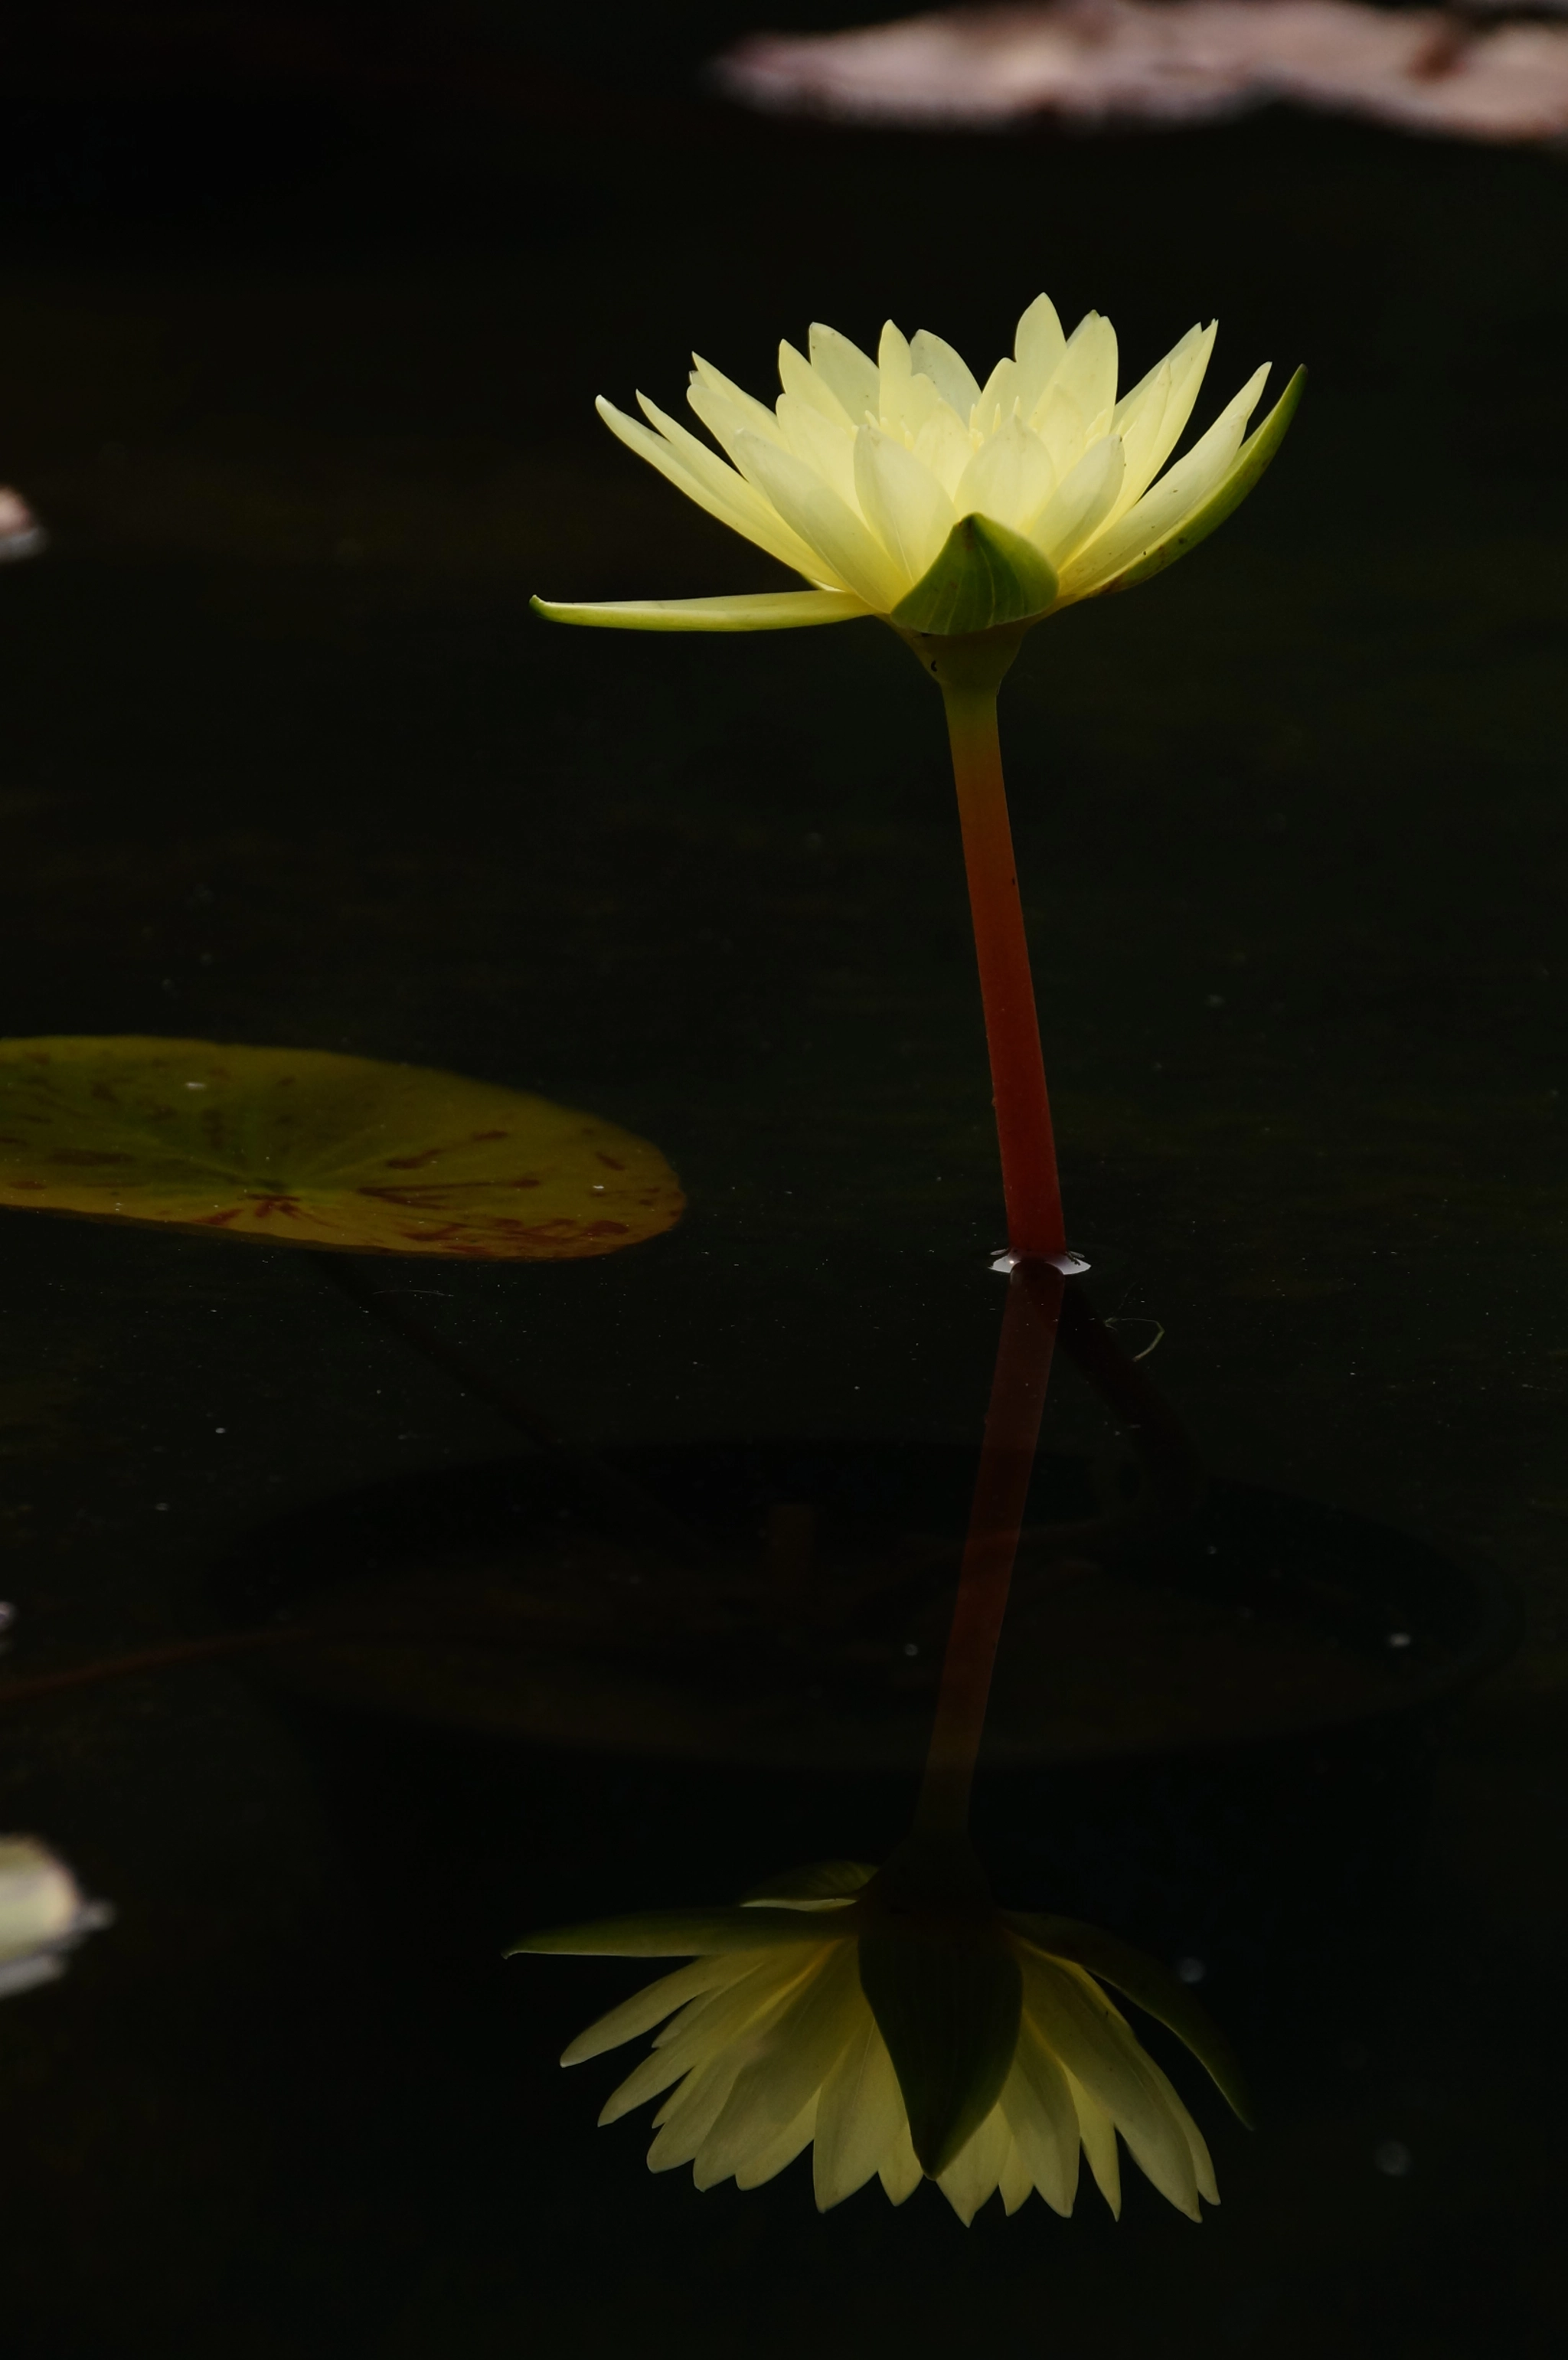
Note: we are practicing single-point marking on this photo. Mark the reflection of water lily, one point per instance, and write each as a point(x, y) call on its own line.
point(865, 470)
point(902, 2026)
point(43, 1913)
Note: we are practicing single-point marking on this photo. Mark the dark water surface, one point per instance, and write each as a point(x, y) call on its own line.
point(289, 761)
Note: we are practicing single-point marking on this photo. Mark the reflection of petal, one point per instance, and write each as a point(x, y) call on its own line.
point(1040, 2113)
point(970, 2179)
point(803, 2046)
point(861, 2127)
point(766, 2051)
point(1079, 2024)
point(1098, 2135)
point(655, 2002)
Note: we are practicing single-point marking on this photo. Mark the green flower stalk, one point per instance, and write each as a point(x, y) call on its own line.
point(960, 515)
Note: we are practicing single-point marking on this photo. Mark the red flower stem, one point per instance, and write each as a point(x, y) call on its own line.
point(1001, 1492)
point(1029, 1184)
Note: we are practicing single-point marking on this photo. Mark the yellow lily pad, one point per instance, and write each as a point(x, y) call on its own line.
point(301, 1147)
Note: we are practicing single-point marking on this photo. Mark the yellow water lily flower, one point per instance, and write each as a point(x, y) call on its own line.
point(960, 515)
point(901, 2030)
point(903, 487)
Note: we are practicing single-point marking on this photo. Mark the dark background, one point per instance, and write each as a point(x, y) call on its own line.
point(304, 316)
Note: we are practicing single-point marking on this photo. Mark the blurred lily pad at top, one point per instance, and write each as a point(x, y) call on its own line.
point(303, 1147)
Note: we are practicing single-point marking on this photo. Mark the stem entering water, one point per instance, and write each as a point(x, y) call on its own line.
point(1029, 1184)
point(1001, 1490)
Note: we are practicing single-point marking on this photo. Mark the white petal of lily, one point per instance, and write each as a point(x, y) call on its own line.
point(1062, 426)
point(1008, 479)
point(902, 502)
point(861, 2124)
point(698, 472)
point(1156, 439)
point(998, 398)
point(828, 449)
point(804, 384)
point(931, 355)
point(811, 509)
point(906, 397)
point(747, 610)
point(1038, 344)
point(1162, 510)
point(851, 374)
point(1080, 504)
point(726, 423)
point(1037, 2103)
point(1087, 369)
point(971, 2179)
point(1138, 420)
point(752, 414)
point(944, 445)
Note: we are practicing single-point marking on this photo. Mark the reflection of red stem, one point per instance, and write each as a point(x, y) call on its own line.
point(1001, 1490)
point(1012, 1028)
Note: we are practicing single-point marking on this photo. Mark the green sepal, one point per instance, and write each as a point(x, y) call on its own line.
point(825, 1880)
point(745, 610)
point(1228, 494)
point(949, 2011)
point(983, 578)
point(1148, 1985)
point(678, 1934)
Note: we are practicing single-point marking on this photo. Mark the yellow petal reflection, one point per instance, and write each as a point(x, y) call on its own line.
point(771, 2046)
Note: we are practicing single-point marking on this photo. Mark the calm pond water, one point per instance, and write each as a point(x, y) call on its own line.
point(300, 376)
